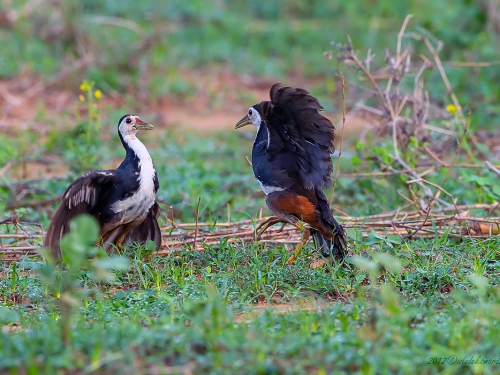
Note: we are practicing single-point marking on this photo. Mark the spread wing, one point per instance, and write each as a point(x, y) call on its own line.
point(148, 230)
point(81, 197)
point(299, 135)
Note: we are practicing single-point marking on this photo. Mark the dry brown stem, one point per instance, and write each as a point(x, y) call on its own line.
point(492, 168)
point(198, 235)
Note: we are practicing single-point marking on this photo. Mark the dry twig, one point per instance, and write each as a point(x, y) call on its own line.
point(200, 234)
point(429, 206)
point(492, 168)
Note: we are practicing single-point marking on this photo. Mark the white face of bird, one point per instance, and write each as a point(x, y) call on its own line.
point(252, 118)
point(130, 125)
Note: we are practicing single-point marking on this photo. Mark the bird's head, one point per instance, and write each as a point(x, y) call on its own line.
point(130, 125)
point(253, 117)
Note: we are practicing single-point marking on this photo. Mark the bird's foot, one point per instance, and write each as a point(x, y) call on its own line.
point(100, 241)
point(266, 224)
point(291, 259)
point(120, 246)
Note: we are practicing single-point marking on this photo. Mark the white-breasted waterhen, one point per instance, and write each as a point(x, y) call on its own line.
point(291, 160)
point(122, 200)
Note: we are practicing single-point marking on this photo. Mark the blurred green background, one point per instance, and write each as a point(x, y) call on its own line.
point(146, 43)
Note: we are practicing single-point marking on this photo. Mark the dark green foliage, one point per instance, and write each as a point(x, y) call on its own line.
point(392, 312)
point(150, 40)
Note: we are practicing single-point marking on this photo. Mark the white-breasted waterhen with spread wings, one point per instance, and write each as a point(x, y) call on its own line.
point(291, 160)
point(122, 200)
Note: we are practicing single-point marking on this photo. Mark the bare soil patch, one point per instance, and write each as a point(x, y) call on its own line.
point(218, 99)
point(282, 308)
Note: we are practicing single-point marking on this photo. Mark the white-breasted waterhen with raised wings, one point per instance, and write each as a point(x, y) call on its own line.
point(122, 200)
point(291, 160)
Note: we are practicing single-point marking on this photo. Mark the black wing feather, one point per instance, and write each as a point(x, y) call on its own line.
point(337, 246)
point(81, 197)
point(300, 134)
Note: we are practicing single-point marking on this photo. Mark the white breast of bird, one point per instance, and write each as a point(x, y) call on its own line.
point(138, 204)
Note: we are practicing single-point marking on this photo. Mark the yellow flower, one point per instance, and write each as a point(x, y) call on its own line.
point(98, 94)
point(452, 109)
point(82, 98)
point(84, 86)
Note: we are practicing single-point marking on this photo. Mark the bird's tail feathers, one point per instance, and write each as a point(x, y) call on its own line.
point(336, 246)
point(148, 230)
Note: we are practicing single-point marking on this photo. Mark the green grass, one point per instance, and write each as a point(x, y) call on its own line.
point(145, 44)
point(423, 299)
point(392, 307)
point(214, 168)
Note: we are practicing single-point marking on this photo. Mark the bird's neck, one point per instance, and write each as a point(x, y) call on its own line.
point(262, 136)
point(136, 151)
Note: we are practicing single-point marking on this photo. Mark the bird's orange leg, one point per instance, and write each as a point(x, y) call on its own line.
point(102, 237)
point(306, 234)
point(119, 239)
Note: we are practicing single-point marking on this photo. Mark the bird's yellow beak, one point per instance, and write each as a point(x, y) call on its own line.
point(244, 121)
point(141, 125)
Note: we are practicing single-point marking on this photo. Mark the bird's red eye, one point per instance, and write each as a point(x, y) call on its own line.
point(128, 121)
